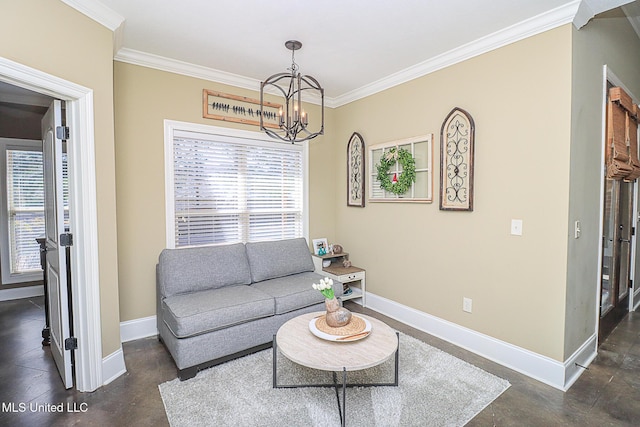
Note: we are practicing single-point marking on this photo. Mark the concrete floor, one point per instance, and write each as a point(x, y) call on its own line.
point(607, 394)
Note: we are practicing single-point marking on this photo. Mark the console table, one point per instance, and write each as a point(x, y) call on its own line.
point(354, 277)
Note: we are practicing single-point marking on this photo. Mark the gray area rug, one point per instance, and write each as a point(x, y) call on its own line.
point(435, 389)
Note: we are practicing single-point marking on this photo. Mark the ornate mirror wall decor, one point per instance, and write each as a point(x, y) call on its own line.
point(355, 171)
point(456, 161)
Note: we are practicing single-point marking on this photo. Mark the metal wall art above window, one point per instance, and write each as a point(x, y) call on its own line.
point(239, 109)
point(355, 171)
point(456, 161)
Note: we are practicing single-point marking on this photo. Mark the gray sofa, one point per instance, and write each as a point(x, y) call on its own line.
point(217, 303)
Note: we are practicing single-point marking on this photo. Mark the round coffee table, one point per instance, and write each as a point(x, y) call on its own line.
point(296, 342)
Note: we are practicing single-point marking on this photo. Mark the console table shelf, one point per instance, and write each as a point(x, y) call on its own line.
point(352, 276)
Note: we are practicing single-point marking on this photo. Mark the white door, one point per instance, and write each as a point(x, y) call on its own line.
point(56, 265)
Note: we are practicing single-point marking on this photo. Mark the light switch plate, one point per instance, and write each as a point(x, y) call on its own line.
point(467, 304)
point(516, 227)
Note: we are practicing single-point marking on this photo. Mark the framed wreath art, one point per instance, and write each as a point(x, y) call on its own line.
point(402, 171)
point(397, 185)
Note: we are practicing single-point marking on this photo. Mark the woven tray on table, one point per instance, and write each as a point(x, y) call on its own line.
point(355, 326)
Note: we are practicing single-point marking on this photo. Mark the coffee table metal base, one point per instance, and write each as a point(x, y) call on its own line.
point(341, 405)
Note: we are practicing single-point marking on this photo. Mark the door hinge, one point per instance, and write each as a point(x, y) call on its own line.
point(71, 343)
point(633, 231)
point(630, 283)
point(66, 239)
point(62, 132)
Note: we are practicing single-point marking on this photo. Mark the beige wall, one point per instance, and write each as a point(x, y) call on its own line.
point(54, 38)
point(520, 98)
point(608, 39)
point(427, 259)
point(144, 98)
point(414, 254)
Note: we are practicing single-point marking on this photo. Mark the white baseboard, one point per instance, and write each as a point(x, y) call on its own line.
point(636, 298)
point(113, 366)
point(542, 368)
point(575, 365)
point(19, 293)
point(138, 328)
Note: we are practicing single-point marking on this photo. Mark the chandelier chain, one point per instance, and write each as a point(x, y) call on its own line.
point(294, 67)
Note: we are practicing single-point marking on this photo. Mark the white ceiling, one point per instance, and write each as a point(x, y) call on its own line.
point(352, 47)
point(346, 44)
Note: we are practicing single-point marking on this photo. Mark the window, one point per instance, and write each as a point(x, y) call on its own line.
point(22, 212)
point(226, 186)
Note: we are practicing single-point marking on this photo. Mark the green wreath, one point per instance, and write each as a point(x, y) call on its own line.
point(406, 178)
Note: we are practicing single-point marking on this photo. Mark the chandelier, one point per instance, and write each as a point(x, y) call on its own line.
point(292, 120)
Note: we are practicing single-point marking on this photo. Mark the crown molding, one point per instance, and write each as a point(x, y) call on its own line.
point(583, 14)
point(144, 59)
point(162, 63)
point(590, 8)
point(632, 10)
point(527, 28)
point(98, 12)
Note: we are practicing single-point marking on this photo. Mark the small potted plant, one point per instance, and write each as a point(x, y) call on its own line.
point(337, 315)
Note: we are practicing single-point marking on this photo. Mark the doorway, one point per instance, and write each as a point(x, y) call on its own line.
point(617, 250)
point(33, 196)
point(83, 213)
point(622, 169)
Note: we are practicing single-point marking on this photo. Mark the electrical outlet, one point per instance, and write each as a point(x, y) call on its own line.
point(467, 304)
point(516, 227)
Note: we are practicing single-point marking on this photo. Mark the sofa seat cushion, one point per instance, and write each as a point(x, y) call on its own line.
point(295, 291)
point(205, 311)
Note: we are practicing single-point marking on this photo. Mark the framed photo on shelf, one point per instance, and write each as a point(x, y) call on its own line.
point(320, 246)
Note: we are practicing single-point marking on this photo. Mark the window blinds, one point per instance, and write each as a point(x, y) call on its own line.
point(231, 190)
point(622, 136)
point(25, 205)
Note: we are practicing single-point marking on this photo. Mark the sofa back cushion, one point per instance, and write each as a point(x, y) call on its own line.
point(195, 269)
point(279, 258)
